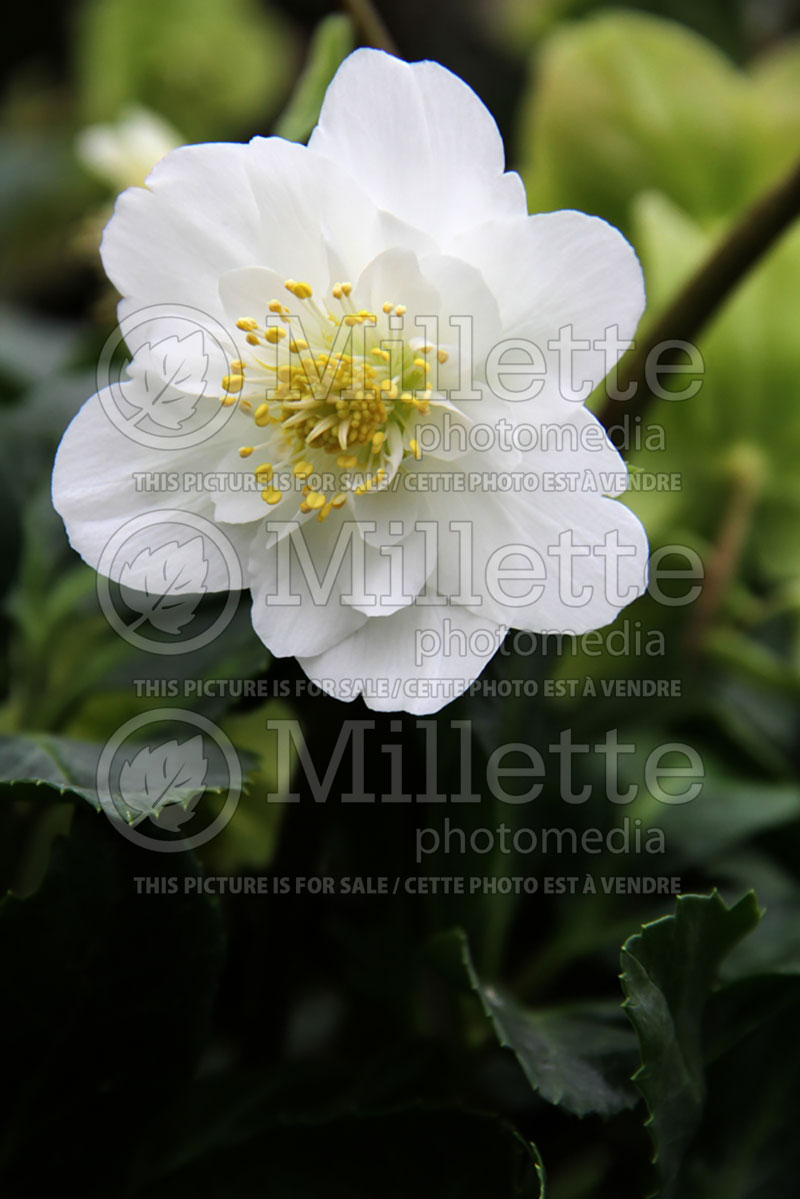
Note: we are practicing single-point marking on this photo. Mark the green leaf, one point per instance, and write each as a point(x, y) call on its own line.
point(332, 41)
point(727, 812)
point(208, 66)
point(703, 134)
point(249, 841)
point(669, 970)
point(742, 426)
point(578, 1056)
point(69, 766)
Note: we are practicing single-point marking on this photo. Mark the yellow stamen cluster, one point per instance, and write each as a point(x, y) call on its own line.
point(324, 399)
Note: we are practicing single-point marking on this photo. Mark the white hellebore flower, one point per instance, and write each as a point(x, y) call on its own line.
point(123, 153)
point(396, 416)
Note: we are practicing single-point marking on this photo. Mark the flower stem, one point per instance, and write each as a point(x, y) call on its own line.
point(745, 486)
point(371, 25)
point(705, 292)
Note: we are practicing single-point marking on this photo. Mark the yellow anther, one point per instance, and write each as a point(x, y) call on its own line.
point(400, 310)
point(413, 445)
point(388, 307)
point(302, 469)
point(233, 383)
point(442, 355)
point(339, 499)
point(252, 339)
point(247, 324)
point(246, 450)
point(271, 495)
point(315, 500)
point(378, 353)
point(298, 345)
point(261, 415)
point(422, 364)
point(238, 366)
point(337, 291)
point(346, 461)
point(274, 334)
point(346, 288)
point(228, 401)
point(377, 441)
point(246, 405)
point(302, 291)
point(426, 349)
point(264, 472)
point(276, 306)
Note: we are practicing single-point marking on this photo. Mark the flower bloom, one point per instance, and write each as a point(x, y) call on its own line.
point(123, 153)
point(392, 358)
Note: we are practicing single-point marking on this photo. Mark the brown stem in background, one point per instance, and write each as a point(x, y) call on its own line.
point(370, 25)
point(721, 567)
point(708, 288)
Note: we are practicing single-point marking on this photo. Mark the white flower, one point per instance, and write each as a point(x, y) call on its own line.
point(381, 544)
point(123, 153)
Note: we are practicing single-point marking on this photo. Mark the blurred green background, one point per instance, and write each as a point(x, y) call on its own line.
point(293, 1046)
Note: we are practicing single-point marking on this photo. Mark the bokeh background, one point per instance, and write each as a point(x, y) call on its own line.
point(292, 1045)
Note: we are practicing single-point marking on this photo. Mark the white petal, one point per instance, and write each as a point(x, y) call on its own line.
point(95, 488)
point(214, 208)
point(287, 614)
point(197, 217)
point(395, 573)
point(419, 141)
point(395, 276)
point(415, 661)
point(561, 270)
point(585, 556)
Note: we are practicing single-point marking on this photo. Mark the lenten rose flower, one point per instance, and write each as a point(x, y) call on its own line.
point(411, 467)
point(122, 153)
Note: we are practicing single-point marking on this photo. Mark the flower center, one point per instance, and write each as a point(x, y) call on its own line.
point(336, 382)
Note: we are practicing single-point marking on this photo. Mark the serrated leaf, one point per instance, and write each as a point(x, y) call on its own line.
point(171, 379)
point(170, 773)
point(578, 1056)
point(70, 766)
point(669, 970)
point(166, 584)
